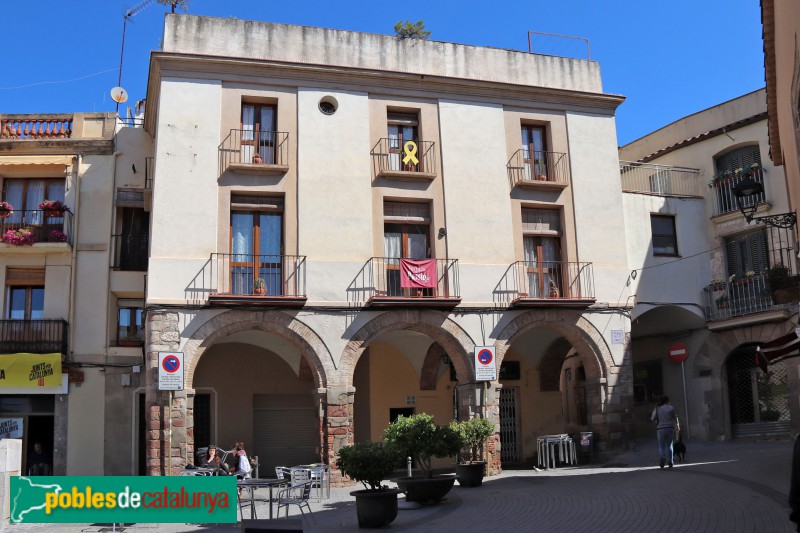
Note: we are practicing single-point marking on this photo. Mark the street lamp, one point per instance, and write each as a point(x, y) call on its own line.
point(748, 189)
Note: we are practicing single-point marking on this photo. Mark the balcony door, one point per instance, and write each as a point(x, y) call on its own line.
point(24, 330)
point(134, 239)
point(258, 133)
point(25, 195)
point(543, 266)
point(402, 127)
point(404, 241)
point(533, 152)
point(256, 252)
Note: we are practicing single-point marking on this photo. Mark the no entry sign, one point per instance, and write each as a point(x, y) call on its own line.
point(678, 352)
point(170, 371)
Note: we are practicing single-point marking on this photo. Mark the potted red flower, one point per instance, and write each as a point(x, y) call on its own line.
point(53, 208)
point(6, 210)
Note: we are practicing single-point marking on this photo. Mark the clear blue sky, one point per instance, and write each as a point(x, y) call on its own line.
point(670, 59)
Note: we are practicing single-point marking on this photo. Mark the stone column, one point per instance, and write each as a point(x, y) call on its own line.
point(163, 335)
point(339, 416)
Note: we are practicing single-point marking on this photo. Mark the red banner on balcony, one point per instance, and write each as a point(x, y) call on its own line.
point(419, 274)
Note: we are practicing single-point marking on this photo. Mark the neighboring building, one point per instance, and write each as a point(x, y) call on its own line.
point(287, 206)
point(706, 278)
point(64, 293)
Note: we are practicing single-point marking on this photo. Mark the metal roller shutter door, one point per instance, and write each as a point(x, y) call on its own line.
point(285, 436)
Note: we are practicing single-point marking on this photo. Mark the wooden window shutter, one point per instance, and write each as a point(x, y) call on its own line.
point(541, 221)
point(24, 276)
point(406, 212)
point(241, 202)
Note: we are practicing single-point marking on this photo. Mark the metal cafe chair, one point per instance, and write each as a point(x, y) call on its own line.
point(298, 494)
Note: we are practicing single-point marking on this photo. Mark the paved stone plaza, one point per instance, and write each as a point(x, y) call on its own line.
point(723, 486)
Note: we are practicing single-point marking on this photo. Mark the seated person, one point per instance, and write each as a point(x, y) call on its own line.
point(39, 461)
point(213, 461)
point(241, 463)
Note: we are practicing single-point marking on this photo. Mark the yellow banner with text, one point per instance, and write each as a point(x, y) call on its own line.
point(30, 370)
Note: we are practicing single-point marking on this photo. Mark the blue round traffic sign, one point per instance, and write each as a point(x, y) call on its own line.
point(485, 356)
point(171, 364)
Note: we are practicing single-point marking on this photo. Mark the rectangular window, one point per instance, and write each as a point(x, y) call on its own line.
point(25, 294)
point(26, 194)
point(130, 322)
point(402, 127)
point(747, 253)
point(541, 241)
point(134, 239)
point(665, 240)
point(259, 123)
point(256, 264)
point(534, 152)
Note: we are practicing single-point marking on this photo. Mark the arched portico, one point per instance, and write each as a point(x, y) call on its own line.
point(165, 454)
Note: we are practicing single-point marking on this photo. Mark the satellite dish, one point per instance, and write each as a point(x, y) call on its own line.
point(119, 95)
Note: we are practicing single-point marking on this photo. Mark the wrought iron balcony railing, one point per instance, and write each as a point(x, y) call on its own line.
point(743, 296)
point(724, 201)
point(662, 180)
point(547, 283)
point(33, 336)
point(35, 127)
point(544, 168)
point(35, 225)
point(394, 158)
point(427, 282)
point(130, 252)
point(273, 277)
point(257, 151)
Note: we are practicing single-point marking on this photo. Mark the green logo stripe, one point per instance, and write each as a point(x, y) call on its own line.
point(77, 499)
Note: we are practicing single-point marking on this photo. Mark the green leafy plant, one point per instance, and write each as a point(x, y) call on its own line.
point(419, 437)
point(410, 30)
point(369, 463)
point(259, 283)
point(474, 434)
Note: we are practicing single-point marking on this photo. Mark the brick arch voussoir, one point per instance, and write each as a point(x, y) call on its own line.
point(435, 324)
point(311, 346)
point(589, 343)
point(725, 342)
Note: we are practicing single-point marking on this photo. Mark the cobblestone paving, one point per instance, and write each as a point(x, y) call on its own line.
point(723, 487)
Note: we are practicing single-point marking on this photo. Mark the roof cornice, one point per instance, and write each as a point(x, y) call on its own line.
point(770, 76)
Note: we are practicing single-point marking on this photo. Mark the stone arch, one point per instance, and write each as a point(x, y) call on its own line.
point(590, 344)
point(712, 356)
point(312, 348)
point(430, 368)
point(435, 324)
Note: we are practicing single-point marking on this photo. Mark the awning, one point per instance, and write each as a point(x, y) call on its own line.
point(36, 160)
point(781, 348)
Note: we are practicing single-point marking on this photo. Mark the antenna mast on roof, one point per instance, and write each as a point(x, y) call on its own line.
point(118, 93)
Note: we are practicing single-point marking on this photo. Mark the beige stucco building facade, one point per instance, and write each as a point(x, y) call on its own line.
point(287, 206)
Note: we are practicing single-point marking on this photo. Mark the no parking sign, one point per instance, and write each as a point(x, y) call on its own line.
point(485, 364)
point(170, 371)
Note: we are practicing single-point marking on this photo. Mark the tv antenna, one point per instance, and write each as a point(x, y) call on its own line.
point(118, 94)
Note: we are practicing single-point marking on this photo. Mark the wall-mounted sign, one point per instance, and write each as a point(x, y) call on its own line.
point(170, 370)
point(617, 336)
point(485, 364)
point(10, 428)
point(30, 370)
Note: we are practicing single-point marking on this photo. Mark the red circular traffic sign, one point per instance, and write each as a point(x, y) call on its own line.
point(485, 356)
point(678, 352)
point(171, 364)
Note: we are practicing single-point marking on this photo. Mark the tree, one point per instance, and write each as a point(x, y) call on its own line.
point(183, 5)
point(410, 30)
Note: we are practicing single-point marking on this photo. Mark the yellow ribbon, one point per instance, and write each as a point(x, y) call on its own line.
point(410, 148)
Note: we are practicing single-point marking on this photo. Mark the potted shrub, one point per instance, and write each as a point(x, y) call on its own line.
point(474, 434)
point(259, 286)
point(53, 208)
point(370, 463)
point(6, 210)
point(421, 439)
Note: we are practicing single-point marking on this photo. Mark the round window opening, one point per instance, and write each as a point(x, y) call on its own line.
point(328, 105)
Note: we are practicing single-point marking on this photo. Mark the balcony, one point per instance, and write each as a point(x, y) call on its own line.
point(274, 280)
point(130, 252)
point(660, 180)
point(724, 201)
point(264, 153)
point(436, 283)
point(36, 127)
point(547, 284)
point(413, 163)
point(547, 170)
point(22, 228)
point(746, 296)
point(33, 336)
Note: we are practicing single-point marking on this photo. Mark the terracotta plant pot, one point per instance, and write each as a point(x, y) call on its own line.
point(257, 160)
